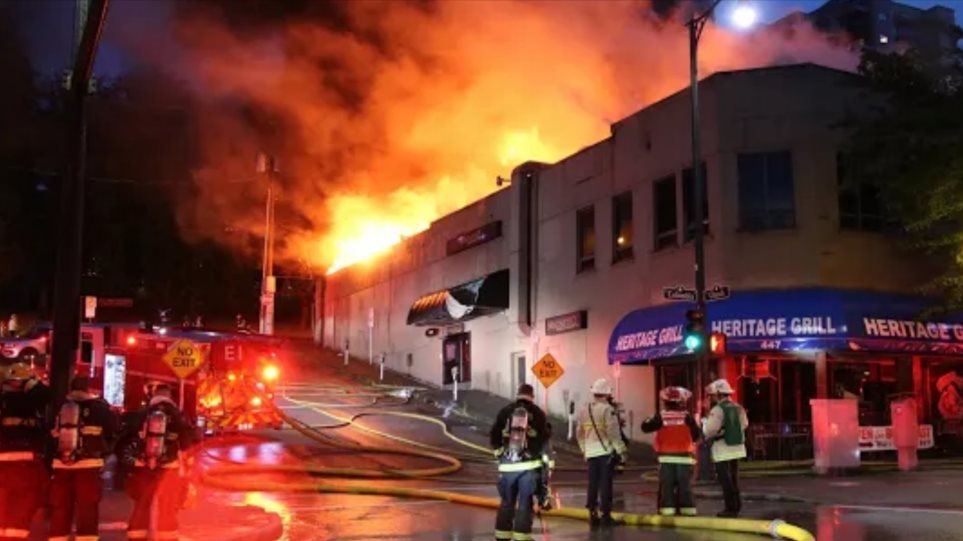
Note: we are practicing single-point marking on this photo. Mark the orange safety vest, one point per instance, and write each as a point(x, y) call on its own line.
point(674, 438)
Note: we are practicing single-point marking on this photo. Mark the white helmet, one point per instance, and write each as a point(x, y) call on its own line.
point(720, 386)
point(601, 387)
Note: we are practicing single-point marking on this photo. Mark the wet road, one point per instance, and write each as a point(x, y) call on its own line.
point(311, 516)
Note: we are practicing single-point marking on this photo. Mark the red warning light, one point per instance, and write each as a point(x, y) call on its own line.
point(717, 343)
point(131, 340)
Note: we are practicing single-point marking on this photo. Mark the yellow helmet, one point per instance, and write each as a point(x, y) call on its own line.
point(18, 372)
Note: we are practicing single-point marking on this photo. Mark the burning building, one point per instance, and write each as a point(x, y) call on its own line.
point(572, 258)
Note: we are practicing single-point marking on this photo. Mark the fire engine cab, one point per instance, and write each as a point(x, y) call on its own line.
point(224, 381)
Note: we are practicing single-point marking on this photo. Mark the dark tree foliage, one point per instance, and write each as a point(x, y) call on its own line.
point(911, 148)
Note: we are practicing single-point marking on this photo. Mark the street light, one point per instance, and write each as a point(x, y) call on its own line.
point(743, 16)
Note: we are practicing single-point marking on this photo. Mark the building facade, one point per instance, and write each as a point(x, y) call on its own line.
point(886, 25)
point(571, 259)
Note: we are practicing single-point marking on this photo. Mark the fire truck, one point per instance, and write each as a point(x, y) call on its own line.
point(224, 381)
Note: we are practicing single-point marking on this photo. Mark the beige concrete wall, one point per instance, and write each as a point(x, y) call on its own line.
point(793, 108)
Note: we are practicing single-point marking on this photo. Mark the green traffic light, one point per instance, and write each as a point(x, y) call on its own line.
point(693, 342)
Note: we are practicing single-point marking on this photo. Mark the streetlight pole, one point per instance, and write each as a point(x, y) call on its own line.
point(66, 310)
point(268, 166)
point(696, 24)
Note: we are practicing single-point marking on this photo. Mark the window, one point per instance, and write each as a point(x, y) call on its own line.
point(664, 211)
point(688, 201)
point(585, 236)
point(859, 202)
point(622, 227)
point(766, 196)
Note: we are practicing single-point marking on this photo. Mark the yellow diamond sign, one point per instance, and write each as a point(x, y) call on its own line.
point(184, 358)
point(547, 370)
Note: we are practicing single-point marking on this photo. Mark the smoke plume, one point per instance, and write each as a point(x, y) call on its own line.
point(391, 114)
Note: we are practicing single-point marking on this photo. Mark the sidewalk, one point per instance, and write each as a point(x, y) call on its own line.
point(206, 521)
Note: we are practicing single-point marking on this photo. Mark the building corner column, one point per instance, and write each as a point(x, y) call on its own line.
point(822, 375)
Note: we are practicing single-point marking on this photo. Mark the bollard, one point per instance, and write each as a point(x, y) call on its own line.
point(571, 420)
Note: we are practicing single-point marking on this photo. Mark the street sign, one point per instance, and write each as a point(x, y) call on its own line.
point(547, 370)
point(717, 293)
point(184, 358)
point(678, 293)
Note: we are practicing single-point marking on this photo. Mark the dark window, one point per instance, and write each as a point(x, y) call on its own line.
point(585, 237)
point(664, 212)
point(688, 201)
point(622, 227)
point(766, 197)
point(859, 202)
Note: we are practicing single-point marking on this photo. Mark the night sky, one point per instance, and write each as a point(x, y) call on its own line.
point(48, 27)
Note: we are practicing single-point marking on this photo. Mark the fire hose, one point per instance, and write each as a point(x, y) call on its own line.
point(225, 478)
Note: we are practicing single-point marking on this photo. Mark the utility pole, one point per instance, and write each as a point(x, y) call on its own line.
point(696, 24)
point(91, 15)
point(267, 165)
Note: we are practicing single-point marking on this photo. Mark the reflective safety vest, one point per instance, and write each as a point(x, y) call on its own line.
point(673, 442)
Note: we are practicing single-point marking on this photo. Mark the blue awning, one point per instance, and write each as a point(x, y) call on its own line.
point(792, 320)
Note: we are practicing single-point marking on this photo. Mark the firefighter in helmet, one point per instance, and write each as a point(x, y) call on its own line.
point(519, 437)
point(23, 403)
point(85, 429)
point(676, 432)
point(160, 466)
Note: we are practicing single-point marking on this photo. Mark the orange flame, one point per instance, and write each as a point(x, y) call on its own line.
point(403, 113)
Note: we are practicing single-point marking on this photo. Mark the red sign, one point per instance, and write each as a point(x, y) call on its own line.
point(573, 321)
point(480, 235)
point(115, 302)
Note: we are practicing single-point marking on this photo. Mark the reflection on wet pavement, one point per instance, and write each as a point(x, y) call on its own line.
point(309, 516)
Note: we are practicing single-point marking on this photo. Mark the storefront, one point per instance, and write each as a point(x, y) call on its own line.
point(785, 347)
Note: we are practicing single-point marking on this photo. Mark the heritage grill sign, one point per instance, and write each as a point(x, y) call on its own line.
point(572, 321)
point(481, 235)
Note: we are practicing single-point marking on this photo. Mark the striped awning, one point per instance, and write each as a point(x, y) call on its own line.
point(480, 297)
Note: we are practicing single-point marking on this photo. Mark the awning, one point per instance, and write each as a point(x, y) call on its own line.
point(480, 297)
point(803, 319)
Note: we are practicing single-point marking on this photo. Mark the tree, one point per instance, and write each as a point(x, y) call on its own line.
point(911, 149)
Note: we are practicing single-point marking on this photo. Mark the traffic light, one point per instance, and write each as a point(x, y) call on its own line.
point(695, 327)
point(717, 343)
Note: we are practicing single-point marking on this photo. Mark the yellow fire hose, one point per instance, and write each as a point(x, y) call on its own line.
point(225, 478)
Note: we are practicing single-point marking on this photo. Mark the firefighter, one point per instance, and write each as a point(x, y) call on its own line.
point(601, 443)
point(84, 432)
point(160, 466)
point(519, 437)
point(676, 432)
point(726, 429)
point(23, 403)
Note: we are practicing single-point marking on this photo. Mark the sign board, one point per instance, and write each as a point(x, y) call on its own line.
point(115, 302)
point(90, 307)
point(115, 372)
point(573, 321)
point(717, 293)
point(678, 293)
point(475, 237)
point(184, 358)
point(880, 438)
point(547, 370)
